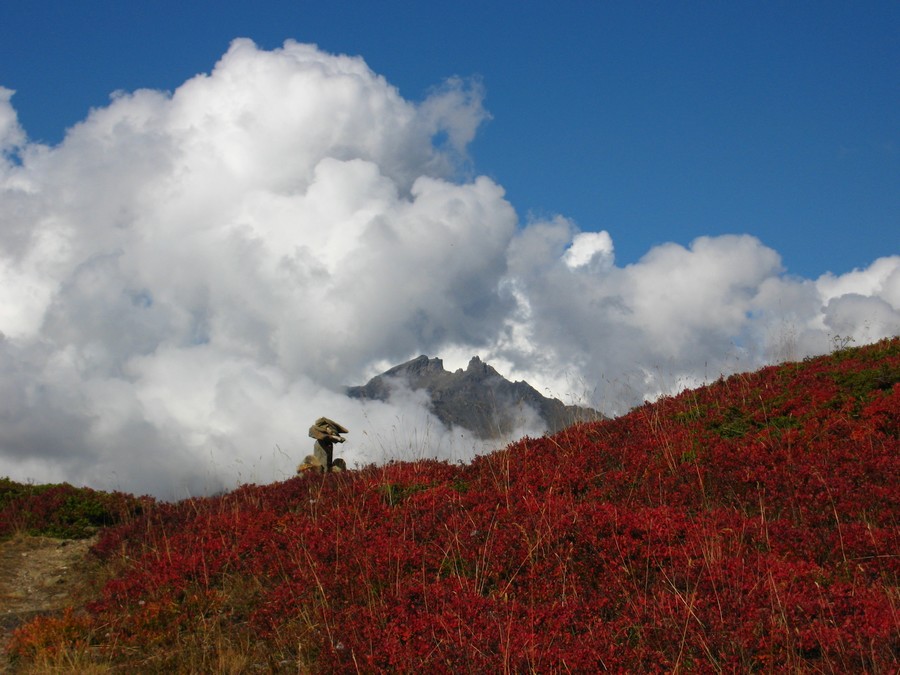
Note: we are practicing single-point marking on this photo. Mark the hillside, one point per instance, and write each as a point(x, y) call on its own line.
point(750, 525)
point(478, 398)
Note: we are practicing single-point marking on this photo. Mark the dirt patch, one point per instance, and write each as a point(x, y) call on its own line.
point(40, 575)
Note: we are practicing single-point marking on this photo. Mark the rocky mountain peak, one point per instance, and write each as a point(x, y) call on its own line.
point(421, 365)
point(479, 368)
point(478, 398)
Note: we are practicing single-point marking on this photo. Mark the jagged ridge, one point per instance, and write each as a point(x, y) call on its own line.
point(478, 398)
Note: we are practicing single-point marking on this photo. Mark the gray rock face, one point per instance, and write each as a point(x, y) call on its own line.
point(478, 398)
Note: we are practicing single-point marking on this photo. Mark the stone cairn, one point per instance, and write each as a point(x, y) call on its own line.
point(326, 433)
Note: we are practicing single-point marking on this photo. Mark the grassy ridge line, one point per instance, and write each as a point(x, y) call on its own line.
point(747, 525)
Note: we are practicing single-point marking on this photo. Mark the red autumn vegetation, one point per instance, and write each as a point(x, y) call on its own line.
point(749, 525)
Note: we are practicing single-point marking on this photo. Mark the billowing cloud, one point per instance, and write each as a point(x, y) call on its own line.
point(590, 248)
point(11, 134)
point(188, 279)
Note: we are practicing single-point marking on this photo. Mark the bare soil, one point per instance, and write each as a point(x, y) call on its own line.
point(40, 575)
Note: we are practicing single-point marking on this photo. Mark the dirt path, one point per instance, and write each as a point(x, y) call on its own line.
point(40, 575)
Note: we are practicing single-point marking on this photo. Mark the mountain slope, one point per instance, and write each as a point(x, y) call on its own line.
point(478, 398)
point(751, 525)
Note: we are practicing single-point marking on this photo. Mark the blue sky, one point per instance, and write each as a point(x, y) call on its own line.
point(654, 121)
point(211, 220)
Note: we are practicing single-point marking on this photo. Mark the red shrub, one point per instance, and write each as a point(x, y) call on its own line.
point(748, 525)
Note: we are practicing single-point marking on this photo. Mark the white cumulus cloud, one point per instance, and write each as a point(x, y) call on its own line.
point(189, 278)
